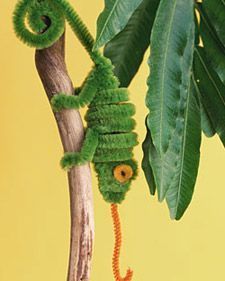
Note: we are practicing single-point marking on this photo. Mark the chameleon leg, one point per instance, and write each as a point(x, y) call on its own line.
point(86, 153)
point(86, 94)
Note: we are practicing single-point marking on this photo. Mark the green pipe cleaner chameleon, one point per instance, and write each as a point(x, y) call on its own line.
point(109, 138)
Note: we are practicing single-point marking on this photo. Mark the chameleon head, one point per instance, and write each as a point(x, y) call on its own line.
point(115, 179)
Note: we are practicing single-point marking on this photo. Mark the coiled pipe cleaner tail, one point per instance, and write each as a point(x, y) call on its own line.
point(46, 19)
point(118, 242)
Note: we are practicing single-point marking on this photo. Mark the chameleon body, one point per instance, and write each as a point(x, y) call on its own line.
point(109, 138)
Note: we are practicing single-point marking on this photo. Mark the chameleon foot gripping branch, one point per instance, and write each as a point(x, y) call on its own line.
point(109, 138)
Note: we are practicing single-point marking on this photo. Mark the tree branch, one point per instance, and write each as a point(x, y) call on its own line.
point(52, 70)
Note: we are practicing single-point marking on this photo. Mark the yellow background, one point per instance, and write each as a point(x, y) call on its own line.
point(34, 205)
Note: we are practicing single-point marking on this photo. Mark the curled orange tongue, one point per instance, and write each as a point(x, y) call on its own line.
point(117, 247)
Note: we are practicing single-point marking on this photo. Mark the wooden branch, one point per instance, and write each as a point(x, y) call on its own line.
point(52, 70)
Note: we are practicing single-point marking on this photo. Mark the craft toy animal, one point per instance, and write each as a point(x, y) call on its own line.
point(109, 138)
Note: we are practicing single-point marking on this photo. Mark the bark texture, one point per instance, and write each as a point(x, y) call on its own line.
point(52, 70)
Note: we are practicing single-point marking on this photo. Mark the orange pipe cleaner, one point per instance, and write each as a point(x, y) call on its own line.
point(117, 247)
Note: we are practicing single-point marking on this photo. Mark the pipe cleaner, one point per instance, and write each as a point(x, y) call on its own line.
point(109, 138)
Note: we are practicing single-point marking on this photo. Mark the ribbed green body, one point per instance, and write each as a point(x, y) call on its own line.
point(114, 124)
point(110, 115)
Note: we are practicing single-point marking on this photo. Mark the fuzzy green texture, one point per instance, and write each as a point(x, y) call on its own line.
point(84, 97)
point(122, 140)
point(110, 138)
point(101, 77)
point(113, 154)
point(46, 19)
point(112, 190)
point(111, 97)
point(86, 154)
point(41, 36)
point(121, 111)
point(106, 127)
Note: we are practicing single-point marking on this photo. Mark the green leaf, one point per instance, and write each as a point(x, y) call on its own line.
point(169, 83)
point(215, 9)
point(126, 50)
point(185, 171)
point(146, 167)
point(206, 122)
point(181, 189)
point(177, 168)
point(113, 19)
point(213, 46)
point(212, 92)
point(162, 167)
point(172, 44)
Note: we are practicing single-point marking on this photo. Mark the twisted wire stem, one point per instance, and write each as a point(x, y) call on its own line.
point(117, 247)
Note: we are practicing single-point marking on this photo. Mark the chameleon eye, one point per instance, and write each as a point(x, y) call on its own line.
point(122, 173)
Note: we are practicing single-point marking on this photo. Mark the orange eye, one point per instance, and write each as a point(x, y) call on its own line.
point(123, 173)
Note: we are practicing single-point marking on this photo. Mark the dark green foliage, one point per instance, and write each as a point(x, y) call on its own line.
point(212, 43)
point(113, 19)
point(216, 13)
point(126, 49)
point(209, 67)
point(212, 92)
point(181, 189)
point(181, 103)
point(169, 61)
point(171, 149)
point(206, 122)
point(173, 144)
point(182, 175)
point(146, 167)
